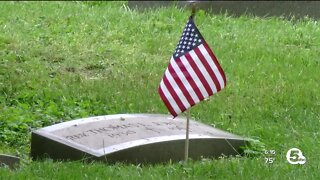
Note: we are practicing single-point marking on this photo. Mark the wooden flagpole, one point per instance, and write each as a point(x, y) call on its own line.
point(186, 146)
point(193, 8)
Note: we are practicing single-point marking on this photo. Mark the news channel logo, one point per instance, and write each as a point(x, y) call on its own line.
point(295, 156)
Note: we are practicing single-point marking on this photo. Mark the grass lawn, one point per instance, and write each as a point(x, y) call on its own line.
point(66, 60)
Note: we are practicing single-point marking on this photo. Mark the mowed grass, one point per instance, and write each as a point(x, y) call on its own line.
point(66, 60)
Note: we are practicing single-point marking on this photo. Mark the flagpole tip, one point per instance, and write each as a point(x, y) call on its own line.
point(193, 6)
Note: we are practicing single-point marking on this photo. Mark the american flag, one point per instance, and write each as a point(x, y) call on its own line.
point(193, 73)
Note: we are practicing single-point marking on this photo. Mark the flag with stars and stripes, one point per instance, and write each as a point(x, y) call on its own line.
point(193, 73)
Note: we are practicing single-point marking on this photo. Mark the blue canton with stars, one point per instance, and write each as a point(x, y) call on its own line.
point(190, 38)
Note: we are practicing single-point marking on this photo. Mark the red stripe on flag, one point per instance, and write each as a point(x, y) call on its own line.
point(166, 102)
point(173, 93)
point(208, 68)
point(216, 62)
point(180, 84)
point(189, 79)
point(199, 73)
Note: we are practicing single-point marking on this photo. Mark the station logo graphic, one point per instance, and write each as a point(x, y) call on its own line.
point(294, 156)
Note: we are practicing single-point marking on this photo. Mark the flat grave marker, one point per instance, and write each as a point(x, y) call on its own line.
point(9, 160)
point(133, 138)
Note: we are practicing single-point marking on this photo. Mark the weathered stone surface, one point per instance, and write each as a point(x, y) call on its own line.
point(9, 160)
point(134, 138)
point(287, 9)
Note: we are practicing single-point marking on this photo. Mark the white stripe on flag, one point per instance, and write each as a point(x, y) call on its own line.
point(169, 97)
point(194, 76)
point(177, 89)
point(203, 71)
point(184, 81)
point(212, 65)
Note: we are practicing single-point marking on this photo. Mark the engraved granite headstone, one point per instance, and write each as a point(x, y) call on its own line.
point(133, 138)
